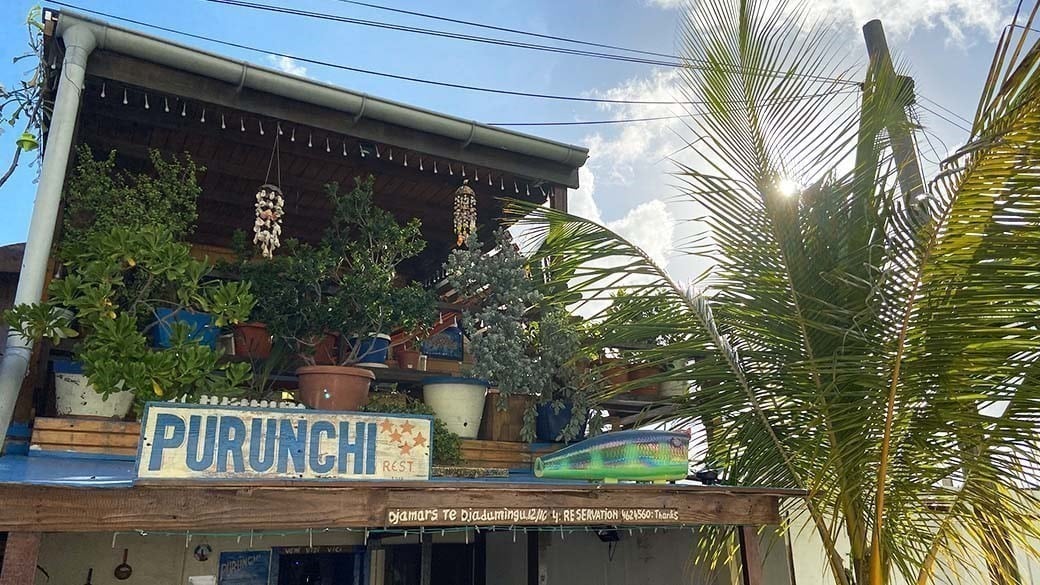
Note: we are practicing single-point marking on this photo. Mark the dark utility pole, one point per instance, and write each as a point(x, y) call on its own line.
point(901, 89)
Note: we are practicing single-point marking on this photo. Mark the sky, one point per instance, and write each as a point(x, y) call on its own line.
point(947, 45)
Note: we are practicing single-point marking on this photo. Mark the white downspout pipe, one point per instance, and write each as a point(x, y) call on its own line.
point(79, 43)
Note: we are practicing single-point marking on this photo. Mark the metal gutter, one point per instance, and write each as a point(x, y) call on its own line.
point(357, 105)
point(79, 43)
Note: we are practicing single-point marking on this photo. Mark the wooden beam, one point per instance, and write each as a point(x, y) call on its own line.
point(750, 555)
point(171, 81)
point(19, 559)
point(288, 505)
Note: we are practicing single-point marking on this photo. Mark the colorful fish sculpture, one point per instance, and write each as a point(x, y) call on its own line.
point(654, 456)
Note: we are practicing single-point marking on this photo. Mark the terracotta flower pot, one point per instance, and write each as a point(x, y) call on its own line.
point(648, 390)
point(252, 340)
point(407, 359)
point(325, 351)
point(334, 387)
point(614, 374)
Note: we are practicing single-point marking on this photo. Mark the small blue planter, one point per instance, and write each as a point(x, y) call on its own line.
point(63, 366)
point(201, 327)
point(373, 349)
point(550, 423)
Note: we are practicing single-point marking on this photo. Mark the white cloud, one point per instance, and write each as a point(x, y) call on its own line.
point(901, 18)
point(650, 226)
point(288, 65)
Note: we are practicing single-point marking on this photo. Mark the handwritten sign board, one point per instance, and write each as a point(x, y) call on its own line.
point(185, 441)
point(244, 568)
point(530, 516)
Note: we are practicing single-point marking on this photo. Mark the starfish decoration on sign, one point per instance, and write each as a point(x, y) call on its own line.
point(407, 427)
point(386, 425)
point(420, 440)
point(395, 436)
point(406, 449)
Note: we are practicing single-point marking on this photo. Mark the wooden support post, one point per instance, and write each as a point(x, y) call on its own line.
point(426, 563)
point(750, 555)
point(558, 198)
point(537, 558)
point(20, 554)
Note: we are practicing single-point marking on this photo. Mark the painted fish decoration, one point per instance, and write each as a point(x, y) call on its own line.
point(656, 456)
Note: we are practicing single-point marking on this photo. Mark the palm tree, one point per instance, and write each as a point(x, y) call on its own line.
point(874, 346)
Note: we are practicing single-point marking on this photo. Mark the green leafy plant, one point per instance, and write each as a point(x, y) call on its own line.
point(520, 342)
point(113, 288)
point(447, 446)
point(100, 196)
point(348, 283)
point(23, 102)
point(865, 340)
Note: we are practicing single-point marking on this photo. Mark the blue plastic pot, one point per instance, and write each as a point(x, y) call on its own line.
point(549, 423)
point(63, 366)
point(200, 325)
point(373, 349)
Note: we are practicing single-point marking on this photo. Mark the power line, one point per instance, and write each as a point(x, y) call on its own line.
point(589, 122)
point(509, 30)
point(780, 101)
point(685, 62)
point(941, 116)
point(945, 109)
point(380, 73)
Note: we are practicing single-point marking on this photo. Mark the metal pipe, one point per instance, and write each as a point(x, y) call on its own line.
point(243, 74)
point(79, 43)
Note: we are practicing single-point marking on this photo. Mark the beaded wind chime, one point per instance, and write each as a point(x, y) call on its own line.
point(270, 207)
point(465, 212)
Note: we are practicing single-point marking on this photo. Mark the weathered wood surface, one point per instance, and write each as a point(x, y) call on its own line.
point(502, 453)
point(751, 559)
point(79, 435)
point(290, 505)
point(19, 558)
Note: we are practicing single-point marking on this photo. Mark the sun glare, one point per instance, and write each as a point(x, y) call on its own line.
point(788, 187)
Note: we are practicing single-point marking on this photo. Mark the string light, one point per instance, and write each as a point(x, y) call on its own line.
point(435, 167)
point(378, 155)
point(102, 91)
point(328, 148)
point(125, 101)
point(184, 108)
point(166, 105)
point(146, 105)
point(261, 123)
point(203, 118)
point(310, 143)
point(223, 126)
point(241, 125)
point(278, 128)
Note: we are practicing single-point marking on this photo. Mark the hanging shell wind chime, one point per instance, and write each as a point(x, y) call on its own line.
point(465, 212)
point(267, 228)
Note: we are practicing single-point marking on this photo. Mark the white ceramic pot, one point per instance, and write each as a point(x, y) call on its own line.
point(673, 388)
point(75, 396)
point(459, 402)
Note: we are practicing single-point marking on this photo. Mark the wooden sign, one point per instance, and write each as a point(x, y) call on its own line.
point(186, 441)
point(582, 516)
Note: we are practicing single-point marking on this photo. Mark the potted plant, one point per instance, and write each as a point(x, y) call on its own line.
point(519, 343)
point(408, 353)
point(109, 297)
point(347, 285)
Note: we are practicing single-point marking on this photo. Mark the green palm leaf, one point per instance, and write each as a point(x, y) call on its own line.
point(875, 348)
